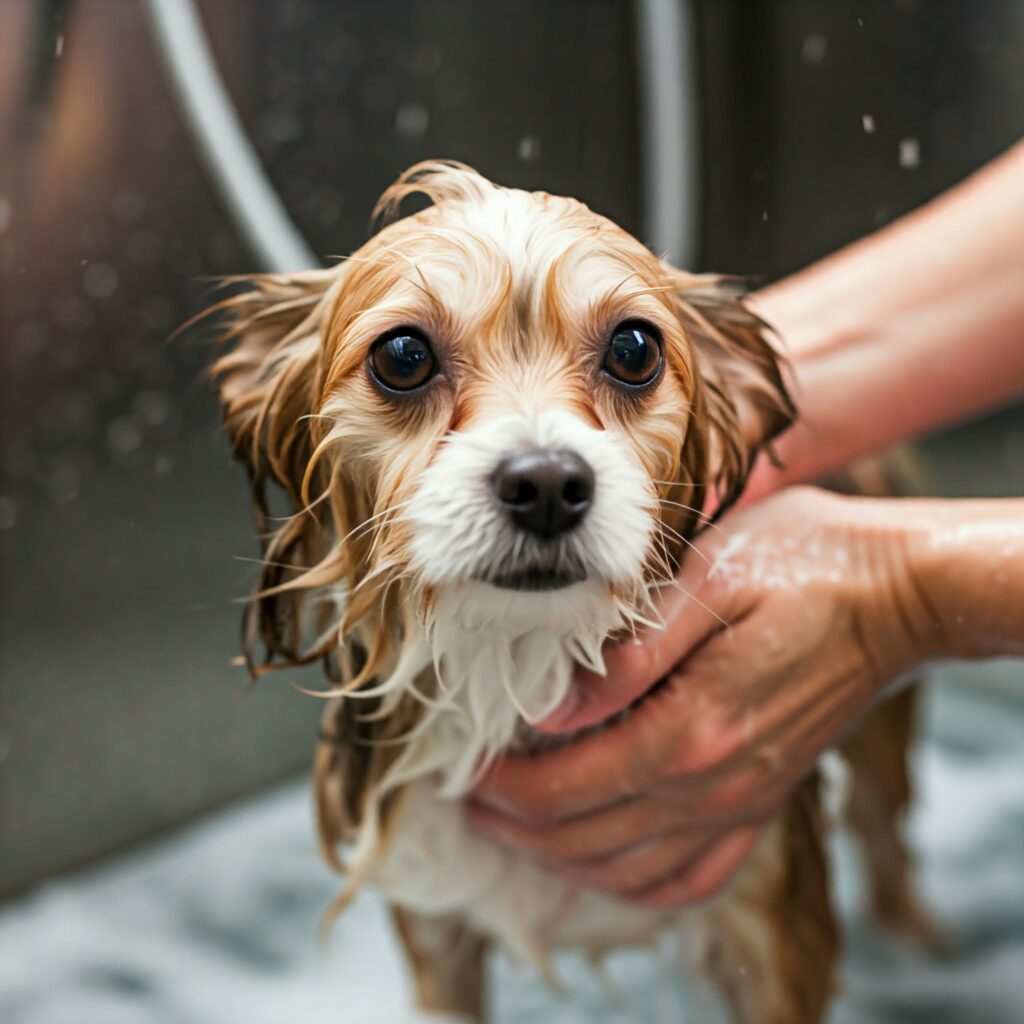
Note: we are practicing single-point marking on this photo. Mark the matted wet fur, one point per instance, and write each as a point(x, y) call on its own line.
point(518, 291)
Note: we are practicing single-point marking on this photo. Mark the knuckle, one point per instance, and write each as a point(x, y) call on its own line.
point(708, 748)
point(654, 868)
point(605, 878)
point(540, 816)
point(567, 847)
point(632, 780)
point(701, 886)
point(730, 798)
point(633, 665)
point(689, 887)
point(629, 888)
point(595, 843)
point(535, 807)
point(624, 880)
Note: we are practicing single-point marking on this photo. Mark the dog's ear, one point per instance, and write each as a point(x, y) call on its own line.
point(741, 401)
point(267, 381)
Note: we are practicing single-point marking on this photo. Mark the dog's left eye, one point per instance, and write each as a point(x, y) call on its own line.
point(634, 353)
point(402, 360)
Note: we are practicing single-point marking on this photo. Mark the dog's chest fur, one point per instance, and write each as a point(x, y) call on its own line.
point(434, 862)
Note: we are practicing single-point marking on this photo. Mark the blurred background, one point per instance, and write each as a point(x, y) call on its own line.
point(749, 137)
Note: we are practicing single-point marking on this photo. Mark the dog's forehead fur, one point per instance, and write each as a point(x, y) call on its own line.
point(519, 292)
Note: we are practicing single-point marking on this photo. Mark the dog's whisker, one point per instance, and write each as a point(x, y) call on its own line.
point(678, 483)
point(354, 532)
point(679, 504)
point(696, 600)
point(678, 536)
point(703, 520)
point(273, 565)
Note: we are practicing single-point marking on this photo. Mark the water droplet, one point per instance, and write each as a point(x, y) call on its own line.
point(764, 216)
point(910, 153)
point(58, 48)
point(124, 435)
point(32, 337)
point(412, 121)
point(869, 123)
point(62, 484)
point(5, 214)
point(78, 412)
point(529, 148)
point(72, 313)
point(100, 280)
point(279, 125)
point(153, 406)
point(128, 206)
point(163, 465)
point(814, 48)
point(8, 513)
point(326, 205)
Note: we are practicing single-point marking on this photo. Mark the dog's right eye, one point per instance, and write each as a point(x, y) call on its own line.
point(402, 360)
point(634, 354)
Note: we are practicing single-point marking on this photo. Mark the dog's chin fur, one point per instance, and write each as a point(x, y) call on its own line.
point(493, 659)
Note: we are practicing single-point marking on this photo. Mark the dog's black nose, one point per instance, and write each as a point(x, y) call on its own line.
point(545, 492)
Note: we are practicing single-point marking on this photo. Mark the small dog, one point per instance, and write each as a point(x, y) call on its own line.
point(497, 425)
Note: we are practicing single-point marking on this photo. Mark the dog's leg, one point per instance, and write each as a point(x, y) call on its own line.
point(770, 941)
point(447, 962)
point(879, 797)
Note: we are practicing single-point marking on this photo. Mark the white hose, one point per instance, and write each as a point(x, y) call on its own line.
point(255, 207)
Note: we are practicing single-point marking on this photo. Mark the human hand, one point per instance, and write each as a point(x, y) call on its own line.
point(786, 624)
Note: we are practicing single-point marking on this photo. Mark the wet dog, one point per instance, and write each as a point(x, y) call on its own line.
point(497, 424)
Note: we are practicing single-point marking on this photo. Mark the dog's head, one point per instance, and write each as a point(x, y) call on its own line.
point(502, 411)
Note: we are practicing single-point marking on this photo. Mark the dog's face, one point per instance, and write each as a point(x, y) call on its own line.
point(513, 410)
point(507, 382)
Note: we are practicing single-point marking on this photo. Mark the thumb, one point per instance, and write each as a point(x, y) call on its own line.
point(632, 667)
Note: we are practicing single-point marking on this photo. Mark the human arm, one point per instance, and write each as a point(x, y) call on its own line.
point(917, 326)
point(808, 605)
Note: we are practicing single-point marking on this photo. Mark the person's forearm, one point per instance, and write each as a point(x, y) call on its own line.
point(965, 570)
point(915, 327)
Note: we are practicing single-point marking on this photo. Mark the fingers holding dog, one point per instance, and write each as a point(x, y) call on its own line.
point(704, 877)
